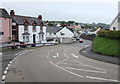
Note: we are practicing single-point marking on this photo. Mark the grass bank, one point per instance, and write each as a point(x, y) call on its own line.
point(106, 46)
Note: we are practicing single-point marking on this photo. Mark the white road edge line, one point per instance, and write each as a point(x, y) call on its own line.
point(84, 70)
point(74, 55)
point(0, 53)
point(102, 79)
point(66, 70)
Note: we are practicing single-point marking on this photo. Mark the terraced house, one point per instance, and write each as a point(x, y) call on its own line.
point(28, 29)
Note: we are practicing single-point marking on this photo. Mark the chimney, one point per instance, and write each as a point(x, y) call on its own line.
point(40, 17)
point(12, 12)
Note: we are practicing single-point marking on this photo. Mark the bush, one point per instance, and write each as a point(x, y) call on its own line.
point(112, 34)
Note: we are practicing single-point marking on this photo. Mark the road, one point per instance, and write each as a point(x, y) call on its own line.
point(60, 63)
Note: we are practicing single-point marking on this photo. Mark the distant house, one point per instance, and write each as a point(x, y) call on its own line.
point(5, 27)
point(28, 29)
point(59, 34)
point(115, 25)
point(94, 31)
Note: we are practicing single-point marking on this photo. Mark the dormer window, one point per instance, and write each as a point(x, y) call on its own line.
point(34, 26)
point(26, 26)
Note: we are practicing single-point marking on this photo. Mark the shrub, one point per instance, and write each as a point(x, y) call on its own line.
point(112, 34)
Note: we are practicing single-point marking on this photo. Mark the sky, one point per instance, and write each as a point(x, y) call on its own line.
point(82, 11)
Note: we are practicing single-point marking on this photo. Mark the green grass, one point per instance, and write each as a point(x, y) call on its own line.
point(106, 46)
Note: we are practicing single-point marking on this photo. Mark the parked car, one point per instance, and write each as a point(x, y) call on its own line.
point(81, 40)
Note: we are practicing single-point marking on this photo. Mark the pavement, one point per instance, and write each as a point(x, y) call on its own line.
point(87, 51)
point(60, 63)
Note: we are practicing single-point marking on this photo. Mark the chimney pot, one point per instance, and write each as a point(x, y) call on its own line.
point(40, 17)
point(12, 12)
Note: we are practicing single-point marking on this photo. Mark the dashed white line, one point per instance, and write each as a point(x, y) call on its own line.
point(3, 77)
point(0, 53)
point(5, 72)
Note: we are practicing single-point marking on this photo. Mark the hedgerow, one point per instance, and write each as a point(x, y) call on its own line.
point(112, 34)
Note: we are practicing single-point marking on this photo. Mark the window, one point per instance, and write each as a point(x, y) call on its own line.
point(114, 28)
point(50, 33)
point(118, 19)
point(25, 28)
point(1, 33)
point(25, 38)
point(62, 33)
point(34, 28)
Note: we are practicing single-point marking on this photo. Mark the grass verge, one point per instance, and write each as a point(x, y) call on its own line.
point(106, 46)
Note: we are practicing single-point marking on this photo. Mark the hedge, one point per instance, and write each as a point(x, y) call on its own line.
point(112, 34)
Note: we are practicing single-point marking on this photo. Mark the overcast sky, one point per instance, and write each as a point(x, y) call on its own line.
point(83, 11)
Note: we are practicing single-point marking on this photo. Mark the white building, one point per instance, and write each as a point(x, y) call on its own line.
point(28, 29)
point(62, 35)
point(115, 25)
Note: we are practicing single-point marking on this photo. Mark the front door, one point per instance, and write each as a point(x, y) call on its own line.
point(34, 38)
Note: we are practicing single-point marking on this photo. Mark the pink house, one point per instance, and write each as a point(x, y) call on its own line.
point(5, 27)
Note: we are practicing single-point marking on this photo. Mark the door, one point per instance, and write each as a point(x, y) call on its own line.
point(34, 38)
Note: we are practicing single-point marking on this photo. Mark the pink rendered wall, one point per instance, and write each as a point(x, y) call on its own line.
point(6, 28)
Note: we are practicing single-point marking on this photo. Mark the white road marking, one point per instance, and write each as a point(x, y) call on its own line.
point(84, 70)
point(0, 53)
point(102, 79)
point(84, 51)
point(8, 65)
point(3, 77)
point(54, 56)
point(74, 55)
point(64, 59)
point(6, 68)
point(66, 70)
point(57, 55)
point(5, 72)
point(91, 66)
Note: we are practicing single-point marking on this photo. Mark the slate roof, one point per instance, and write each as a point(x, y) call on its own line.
point(53, 29)
point(4, 13)
point(115, 19)
point(41, 32)
point(21, 19)
point(25, 33)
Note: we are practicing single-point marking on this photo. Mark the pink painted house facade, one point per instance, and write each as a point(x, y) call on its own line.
point(5, 27)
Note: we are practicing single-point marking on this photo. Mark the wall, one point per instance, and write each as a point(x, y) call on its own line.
point(6, 28)
point(67, 32)
point(30, 31)
point(115, 24)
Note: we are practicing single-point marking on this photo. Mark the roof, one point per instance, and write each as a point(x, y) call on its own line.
point(53, 29)
point(41, 32)
point(25, 33)
point(21, 19)
point(115, 18)
point(4, 13)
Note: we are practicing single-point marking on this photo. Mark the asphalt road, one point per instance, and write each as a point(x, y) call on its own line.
point(60, 63)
